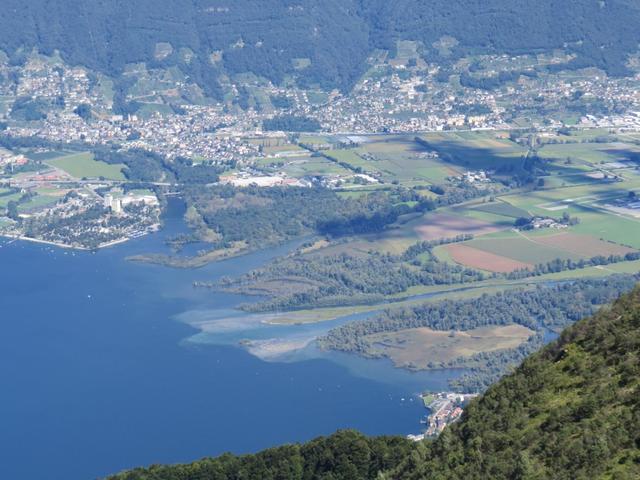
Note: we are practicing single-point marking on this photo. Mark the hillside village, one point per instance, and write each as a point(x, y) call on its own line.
point(74, 110)
point(398, 96)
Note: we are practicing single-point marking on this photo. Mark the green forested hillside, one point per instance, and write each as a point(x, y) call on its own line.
point(571, 411)
point(334, 38)
point(346, 455)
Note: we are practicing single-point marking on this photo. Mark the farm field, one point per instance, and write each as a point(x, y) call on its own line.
point(394, 241)
point(282, 149)
point(416, 227)
point(522, 249)
point(431, 226)
point(442, 225)
point(501, 208)
point(482, 260)
point(349, 156)
point(583, 244)
point(510, 251)
point(82, 165)
point(417, 347)
point(573, 199)
point(311, 166)
point(477, 150)
point(582, 188)
point(313, 140)
point(397, 158)
point(615, 228)
point(590, 205)
point(501, 222)
point(591, 153)
point(571, 180)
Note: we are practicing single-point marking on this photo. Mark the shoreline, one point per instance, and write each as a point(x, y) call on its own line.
point(44, 242)
point(67, 246)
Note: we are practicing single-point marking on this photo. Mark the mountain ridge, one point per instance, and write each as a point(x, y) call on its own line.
point(269, 38)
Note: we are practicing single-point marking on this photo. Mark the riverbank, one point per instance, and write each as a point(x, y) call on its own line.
point(417, 295)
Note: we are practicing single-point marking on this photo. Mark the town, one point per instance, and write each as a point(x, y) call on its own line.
point(445, 408)
point(65, 104)
point(66, 133)
point(53, 206)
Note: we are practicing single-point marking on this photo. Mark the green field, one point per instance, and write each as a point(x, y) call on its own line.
point(37, 202)
point(349, 156)
point(396, 158)
point(594, 153)
point(312, 166)
point(48, 155)
point(288, 147)
point(477, 150)
point(5, 199)
point(619, 229)
point(570, 180)
point(587, 204)
point(501, 208)
point(81, 165)
point(521, 249)
point(313, 140)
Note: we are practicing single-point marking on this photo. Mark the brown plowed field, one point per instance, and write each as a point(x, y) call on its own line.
point(446, 226)
point(583, 245)
point(475, 258)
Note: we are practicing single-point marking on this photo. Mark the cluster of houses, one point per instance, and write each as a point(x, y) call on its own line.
point(9, 158)
point(403, 99)
point(479, 176)
point(445, 408)
point(43, 79)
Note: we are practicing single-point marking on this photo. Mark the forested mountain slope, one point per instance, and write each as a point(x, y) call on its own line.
point(571, 411)
point(346, 455)
point(599, 33)
point(270, 37)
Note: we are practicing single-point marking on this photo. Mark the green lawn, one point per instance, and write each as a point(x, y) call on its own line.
point(37, 202)
point(80, 165)
point(5, 199)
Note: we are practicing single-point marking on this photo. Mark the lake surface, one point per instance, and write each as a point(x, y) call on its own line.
point(102, 369)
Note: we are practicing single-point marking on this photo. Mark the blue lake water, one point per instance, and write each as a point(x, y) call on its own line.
point(101, 368)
